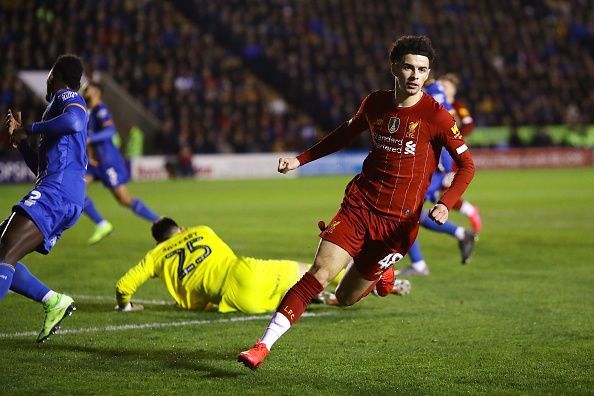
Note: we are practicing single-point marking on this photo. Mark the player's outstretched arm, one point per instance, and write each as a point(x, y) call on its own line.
point(288, 164)
point(72, 120)
point(451, 138)
point(102, 135)
point(131, 281)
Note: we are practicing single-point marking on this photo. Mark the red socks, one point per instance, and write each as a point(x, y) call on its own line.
point(299, 296)
point(458, 204)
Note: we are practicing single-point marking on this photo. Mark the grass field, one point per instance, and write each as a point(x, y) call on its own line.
point(519, 319)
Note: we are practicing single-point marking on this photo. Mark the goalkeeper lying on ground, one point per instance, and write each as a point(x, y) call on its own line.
point(200, 271)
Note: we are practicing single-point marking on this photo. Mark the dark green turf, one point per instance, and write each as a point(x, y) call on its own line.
point(519, 319)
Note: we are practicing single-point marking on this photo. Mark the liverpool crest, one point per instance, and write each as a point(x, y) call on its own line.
point(412, 127)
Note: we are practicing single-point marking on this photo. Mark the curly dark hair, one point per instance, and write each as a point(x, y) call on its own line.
point(418, 45)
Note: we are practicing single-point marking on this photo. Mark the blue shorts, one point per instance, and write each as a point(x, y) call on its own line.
point(51, 212)
point(434, 191)
point(111, 175)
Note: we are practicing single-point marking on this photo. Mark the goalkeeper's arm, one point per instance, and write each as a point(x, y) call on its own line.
point(131, 281)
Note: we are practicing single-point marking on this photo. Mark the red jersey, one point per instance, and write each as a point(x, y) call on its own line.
point(406, 143)
point(465, 118)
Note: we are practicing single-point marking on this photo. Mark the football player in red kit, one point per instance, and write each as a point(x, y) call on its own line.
point(379, 216)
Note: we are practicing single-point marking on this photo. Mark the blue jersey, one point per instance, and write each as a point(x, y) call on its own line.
point(101, 132)
point(61, 161)
point(436, 90)
point(445, 165)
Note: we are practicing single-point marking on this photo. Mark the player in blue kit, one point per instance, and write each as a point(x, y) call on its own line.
point(106, 164)
point(59, 161)
point(443, 91)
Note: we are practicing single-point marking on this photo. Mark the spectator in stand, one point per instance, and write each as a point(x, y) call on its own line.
point(541, 138)
point(514, 138)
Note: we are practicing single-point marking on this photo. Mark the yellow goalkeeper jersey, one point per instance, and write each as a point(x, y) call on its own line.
point(193, 265)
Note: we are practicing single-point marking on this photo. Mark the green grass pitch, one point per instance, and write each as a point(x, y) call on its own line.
point(519, 319)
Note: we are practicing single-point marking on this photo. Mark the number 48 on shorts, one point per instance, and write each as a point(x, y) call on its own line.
point(389, 260)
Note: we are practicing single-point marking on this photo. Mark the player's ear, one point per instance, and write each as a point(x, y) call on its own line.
point(393, 68)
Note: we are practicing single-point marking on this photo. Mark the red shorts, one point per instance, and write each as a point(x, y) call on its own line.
point(375, 242)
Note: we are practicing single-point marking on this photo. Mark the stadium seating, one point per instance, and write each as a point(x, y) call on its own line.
point(207, 99)
point(239, 76)
point(519, 60)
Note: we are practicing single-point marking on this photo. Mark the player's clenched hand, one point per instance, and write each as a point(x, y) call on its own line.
point(439, 213)
point(287, 164)
point(15, 128)
point(130, 307)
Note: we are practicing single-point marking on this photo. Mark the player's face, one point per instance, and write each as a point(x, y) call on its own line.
point(89, 94)
point(411, 72)
point(450, 90)
point(50, 86)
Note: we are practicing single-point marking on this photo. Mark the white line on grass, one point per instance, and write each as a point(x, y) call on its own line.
point(107, 298)
point(85, 297)
point(155, 325)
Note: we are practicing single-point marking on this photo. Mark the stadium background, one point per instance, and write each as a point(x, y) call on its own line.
point(239, 77)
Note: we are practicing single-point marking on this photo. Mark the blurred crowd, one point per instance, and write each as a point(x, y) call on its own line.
point(521, 62)
point(269, 75)
point(14, 95)
point(206, 98)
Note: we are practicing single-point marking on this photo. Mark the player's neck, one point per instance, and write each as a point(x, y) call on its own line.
point(58, 85)
point(402, 99)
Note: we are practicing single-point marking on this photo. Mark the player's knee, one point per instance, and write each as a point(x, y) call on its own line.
point(344, 297)
point(125, 200)
point(9, 251)
point(321, 274)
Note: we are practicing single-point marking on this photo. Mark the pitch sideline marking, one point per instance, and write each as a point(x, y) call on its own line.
point(155, 325)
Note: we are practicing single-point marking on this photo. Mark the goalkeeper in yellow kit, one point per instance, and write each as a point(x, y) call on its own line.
point(200, 270)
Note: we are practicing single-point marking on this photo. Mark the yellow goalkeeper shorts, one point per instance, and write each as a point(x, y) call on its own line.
point(257, 286)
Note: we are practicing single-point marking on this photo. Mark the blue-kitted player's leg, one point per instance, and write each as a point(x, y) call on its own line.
point(91, 211)
point(136, 205)
point(57, 306)
point(35, 225)
point(115, 176)
point(465, 237)
point(19, 236)
point(25, 284)
point(102, 227)
point(6, 276)
point(448, 227)
point(140, 209)
point(418, 265)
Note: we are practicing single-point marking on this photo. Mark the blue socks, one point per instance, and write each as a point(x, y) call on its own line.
point(143, 211)
point(91, 211)
point(6, 275)
point(447, 228)
point(25, 284)
point(415, 252)
point(138, 207)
